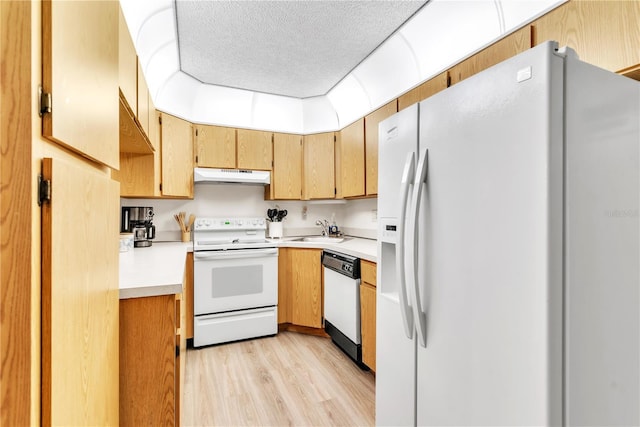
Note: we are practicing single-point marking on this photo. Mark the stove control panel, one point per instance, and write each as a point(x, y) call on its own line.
point(230, 224)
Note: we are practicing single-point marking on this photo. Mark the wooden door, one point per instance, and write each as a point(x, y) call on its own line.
point(318, 166)
point(177, 157)
point(80, 70)
point(371, 144)
point(143, 100)
point(603, 33)
point(80, 285)
point(215, 147)
point(350, 161)
point(306, 290)
point(423, 91)
point(127, 64)
point(255, 149)
point(368, 313)
point(285, 276)
point(286, 178)
point(505, 48)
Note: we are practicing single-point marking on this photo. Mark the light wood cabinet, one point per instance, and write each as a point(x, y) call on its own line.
point(505, 48)
point(424, 90)
point(143, 101)
point(349, 161)
point(150, 371)
point(371, 144)
point(368, 313)
point(79, 296)
point(80, 71)
point(603, 33)
point(127, 64)
point(255, 149)
point(318, 166)
point(286, 177)
point(78, 262)
point(300, 287)
point(215, 146)
point(177, 157)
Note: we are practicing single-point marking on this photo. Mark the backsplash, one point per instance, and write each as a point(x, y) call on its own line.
point(355, 217)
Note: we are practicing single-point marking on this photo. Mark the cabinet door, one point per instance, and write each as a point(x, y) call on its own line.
point(215, 147)
point(286, 178)
point(80, 70)
point(285, 276)
point(148, 365)
point(425, 90)
point(368, 322)
point(127, 64)
point(603, 33)
point(143, 100)
point(371, 144)
point(177, 157)
point(350, 161)
point(306, 290)
point(318, 166)
point(505, 48)
point(80, 294)
point(255, 149)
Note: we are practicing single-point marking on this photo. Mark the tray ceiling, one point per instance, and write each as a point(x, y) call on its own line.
point(296, 48)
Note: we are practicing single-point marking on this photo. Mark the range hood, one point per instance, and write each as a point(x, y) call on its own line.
point(231, 176)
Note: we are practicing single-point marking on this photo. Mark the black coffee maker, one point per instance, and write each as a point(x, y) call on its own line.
point(139, 221)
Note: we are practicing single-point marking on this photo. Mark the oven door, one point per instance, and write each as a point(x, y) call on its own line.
point(234, 280)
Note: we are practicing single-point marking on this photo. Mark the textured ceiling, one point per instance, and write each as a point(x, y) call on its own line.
point(297, 48)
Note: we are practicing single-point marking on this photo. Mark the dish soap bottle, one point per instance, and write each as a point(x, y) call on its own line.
point(333, 228)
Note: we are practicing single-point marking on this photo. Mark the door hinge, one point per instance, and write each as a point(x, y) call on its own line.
point(159, 119)
point(334, 138)
point(271, 164)
point(335, 191)
point(196, 131)
point(44, 190)
point(177, 351)
point(160, 187)
point(196, 160)
point(45, 102)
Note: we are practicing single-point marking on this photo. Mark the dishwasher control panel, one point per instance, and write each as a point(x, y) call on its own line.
point(341, 263)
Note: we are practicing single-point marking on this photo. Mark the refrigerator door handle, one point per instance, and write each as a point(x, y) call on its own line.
point(419, 315)
point(408, 174)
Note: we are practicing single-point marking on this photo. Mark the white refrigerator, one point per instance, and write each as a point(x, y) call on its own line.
point(508, 250)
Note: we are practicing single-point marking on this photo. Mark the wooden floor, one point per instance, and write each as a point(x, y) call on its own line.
point(290, 379)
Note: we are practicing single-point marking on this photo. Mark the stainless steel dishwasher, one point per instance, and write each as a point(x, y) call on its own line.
point(342, 302)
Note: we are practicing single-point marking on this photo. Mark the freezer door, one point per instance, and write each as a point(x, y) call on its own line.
point(603, 276)
point(490, 247)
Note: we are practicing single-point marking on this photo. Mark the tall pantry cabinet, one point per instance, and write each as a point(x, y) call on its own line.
point(80, 212)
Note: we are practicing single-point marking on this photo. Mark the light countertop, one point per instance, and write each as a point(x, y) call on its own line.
point(159, 269)
point(355, 246)
point(156, 270)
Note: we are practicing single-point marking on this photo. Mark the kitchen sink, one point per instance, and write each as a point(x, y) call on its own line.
point(322, 239)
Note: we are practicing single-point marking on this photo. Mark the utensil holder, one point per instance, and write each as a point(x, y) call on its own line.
point(186, 236)
point(275, 230)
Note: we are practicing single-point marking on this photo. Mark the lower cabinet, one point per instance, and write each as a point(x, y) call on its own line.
point(300, 287)
point(368, 313)
point(151, 366)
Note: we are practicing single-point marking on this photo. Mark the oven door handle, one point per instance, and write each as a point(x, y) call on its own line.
point(236, 254)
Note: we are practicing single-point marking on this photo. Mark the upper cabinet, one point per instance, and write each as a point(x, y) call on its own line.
point(215, 147)
point(255, 150)
point(318, 172)
point(128, 63)
point(505, 48)
point(286, 177)
point(423, 91)
point(349, 160)
point(80, 71)
point(229, 148)
point(371, 144)
point(603, 33)
point(177, 157)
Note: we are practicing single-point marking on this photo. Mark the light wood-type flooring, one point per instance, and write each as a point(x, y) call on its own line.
point(290, 379)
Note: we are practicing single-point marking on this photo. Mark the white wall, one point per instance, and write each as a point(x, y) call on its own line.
point(213, 200)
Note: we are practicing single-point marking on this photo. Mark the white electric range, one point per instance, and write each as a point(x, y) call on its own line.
point(235, 283)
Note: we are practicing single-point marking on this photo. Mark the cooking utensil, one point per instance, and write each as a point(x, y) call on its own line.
point(281, 214)
point(272, 214)
point(192, 219)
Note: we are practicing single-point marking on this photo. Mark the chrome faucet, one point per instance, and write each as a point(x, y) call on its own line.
point(325, 226)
